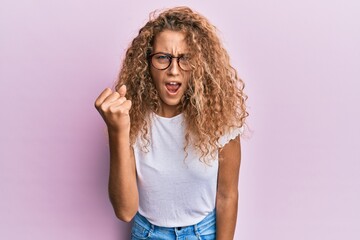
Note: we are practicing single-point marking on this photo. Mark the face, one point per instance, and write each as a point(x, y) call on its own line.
point(171, 83)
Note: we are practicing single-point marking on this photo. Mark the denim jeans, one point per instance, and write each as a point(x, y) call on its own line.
point(204, 230)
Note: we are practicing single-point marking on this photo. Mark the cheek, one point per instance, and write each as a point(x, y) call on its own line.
point(155, 75)
point(187, 78)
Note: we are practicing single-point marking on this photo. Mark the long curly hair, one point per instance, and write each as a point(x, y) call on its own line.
point(214, 102)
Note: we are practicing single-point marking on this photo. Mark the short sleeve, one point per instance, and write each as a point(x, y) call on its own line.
point(223, 140)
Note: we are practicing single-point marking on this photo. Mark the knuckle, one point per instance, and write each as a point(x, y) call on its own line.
point(128, 104)
point(121, 100)
point(116, 94)
point(102, 108)
point(97, 103)
point(122, 110)
point(112, 109)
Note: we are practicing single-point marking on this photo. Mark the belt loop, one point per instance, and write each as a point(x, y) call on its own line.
point(196, 231)
point(152, 227)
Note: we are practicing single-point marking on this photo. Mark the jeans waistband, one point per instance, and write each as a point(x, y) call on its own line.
point(208, 220)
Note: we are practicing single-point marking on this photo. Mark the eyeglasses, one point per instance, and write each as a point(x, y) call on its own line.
point(162, 61)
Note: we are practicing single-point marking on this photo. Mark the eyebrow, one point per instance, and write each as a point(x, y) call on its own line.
point(165, 53)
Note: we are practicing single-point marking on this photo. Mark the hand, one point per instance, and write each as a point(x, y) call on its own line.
point(114, 109)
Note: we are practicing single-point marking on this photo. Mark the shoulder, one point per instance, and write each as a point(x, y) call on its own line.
point(231, 134)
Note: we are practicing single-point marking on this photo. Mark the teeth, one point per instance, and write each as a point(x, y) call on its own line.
point(173, 83)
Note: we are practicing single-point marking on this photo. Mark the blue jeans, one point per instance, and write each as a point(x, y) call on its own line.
point(204, 230)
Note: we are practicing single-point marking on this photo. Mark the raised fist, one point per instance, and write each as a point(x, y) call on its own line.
point(114, 109)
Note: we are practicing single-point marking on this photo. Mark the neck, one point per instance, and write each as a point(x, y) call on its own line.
point(168, 112)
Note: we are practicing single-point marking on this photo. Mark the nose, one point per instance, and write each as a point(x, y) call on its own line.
point(174, 68)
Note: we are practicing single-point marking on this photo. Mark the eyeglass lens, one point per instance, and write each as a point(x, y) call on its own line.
point(162, 61)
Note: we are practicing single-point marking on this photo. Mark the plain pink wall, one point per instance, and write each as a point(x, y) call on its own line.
point(300, 174)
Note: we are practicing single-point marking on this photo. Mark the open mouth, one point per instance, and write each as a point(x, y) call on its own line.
point(173, 87)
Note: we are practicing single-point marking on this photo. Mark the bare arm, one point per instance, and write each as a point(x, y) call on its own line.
point(123, 193)
point(227, 193)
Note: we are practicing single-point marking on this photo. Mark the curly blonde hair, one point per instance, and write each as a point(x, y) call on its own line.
point(214, 101)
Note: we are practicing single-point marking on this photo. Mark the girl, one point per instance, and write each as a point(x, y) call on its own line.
point(174, 123)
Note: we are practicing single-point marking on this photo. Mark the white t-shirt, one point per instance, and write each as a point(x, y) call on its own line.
point(174, 191)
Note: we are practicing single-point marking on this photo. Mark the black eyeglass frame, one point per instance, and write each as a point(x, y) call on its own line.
point(170, 57)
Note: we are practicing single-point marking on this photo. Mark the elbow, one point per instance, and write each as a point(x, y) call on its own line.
point(125, 216)
point(124, 210)
point(227, 199)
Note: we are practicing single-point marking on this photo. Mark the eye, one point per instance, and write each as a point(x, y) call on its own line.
point(161, 57)
point(184, 58)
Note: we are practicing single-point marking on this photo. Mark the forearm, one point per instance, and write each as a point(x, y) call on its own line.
point(123, 191)
point(226, 215)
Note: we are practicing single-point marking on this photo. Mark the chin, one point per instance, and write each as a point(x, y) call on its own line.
point(172, 103)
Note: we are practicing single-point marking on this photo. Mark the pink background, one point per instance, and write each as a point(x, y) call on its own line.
point(300, 173)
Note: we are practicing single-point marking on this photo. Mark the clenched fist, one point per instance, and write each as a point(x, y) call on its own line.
point(114, 109)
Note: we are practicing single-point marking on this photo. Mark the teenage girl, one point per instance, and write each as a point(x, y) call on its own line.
point(174, 124)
